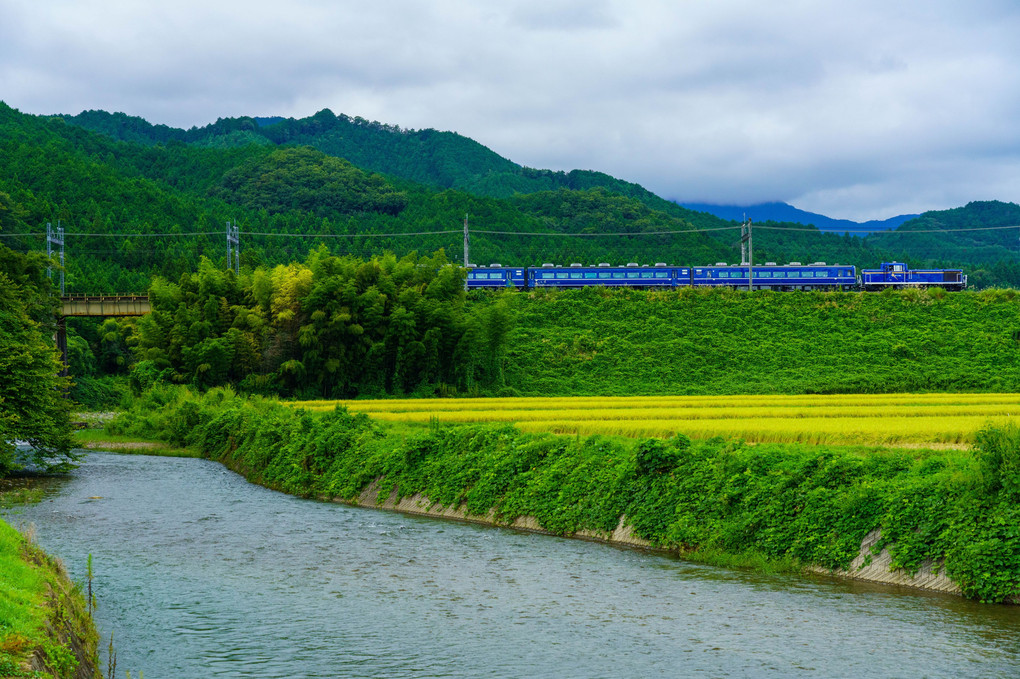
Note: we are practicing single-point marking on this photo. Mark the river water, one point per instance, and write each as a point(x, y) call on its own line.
point(201, 574)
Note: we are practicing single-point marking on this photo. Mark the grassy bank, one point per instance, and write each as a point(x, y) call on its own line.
point(45, 626)
point(627, 342)
point(771, 504)
point(97, 439)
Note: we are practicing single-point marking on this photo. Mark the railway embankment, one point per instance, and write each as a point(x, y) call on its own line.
point(46, 629)
point(938, 519)
point(630, 342)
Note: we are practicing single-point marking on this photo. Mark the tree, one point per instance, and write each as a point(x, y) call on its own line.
point(33, 409)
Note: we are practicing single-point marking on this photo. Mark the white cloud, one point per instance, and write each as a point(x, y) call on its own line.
point(850, 109)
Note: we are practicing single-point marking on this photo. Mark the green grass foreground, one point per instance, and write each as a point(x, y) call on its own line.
point(784, 505)
point(42, 616)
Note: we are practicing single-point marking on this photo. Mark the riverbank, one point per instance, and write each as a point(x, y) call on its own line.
point(47, 629)
point(767, 506)
point(98, 439)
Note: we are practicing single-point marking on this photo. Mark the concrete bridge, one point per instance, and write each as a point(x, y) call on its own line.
point(104, 305)
point(97, 306)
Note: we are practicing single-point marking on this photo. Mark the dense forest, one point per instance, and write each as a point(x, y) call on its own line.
point(32, 407)
point(328, 327)
point(353, 184)
point(446, 160)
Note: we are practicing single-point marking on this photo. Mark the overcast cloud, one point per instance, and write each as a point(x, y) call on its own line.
point(856, 110)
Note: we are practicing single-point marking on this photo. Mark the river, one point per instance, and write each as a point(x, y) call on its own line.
point(201, 574)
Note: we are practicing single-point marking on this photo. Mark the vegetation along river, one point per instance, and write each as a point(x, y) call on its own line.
point(200, 574)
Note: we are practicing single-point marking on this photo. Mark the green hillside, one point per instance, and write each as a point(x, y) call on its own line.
point(731, 342)
point(96, 185)
point(446, 160)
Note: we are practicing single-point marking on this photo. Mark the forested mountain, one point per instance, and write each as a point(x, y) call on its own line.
point(439, 159)
point(433, 160)
point(335, 176)
point(96, 185)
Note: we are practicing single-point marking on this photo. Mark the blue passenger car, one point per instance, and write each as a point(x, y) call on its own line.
point(898, 275)
point(604, 275)
point(496, 276)
point(793, 276)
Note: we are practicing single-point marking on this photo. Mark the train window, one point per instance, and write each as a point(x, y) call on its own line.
point(605, 274)
point(793, 274)
point(619, 274)
point(591, 274)
point(821, 274)
point(763, 274)
point(576, 274)
point(646, 274)
point(563, 274)
point(662, 274)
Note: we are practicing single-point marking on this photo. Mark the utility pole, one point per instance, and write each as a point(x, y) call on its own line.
point(55, 237)
point(467, 250)
point(233, 248)
point(747, 251)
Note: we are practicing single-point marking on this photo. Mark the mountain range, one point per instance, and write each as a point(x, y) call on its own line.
point(356, 185)
point(784, 212)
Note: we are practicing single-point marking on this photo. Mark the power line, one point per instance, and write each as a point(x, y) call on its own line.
point(597, 235)
point(145, 235)
point(816, 230)
point(351, 235)
point(976, 228)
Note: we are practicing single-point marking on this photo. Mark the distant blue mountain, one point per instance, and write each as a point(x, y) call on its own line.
point(783, 212)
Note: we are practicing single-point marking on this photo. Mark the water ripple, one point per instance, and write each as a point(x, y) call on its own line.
point(202, 574)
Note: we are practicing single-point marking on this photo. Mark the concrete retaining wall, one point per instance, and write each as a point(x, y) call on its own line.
point(867, 566)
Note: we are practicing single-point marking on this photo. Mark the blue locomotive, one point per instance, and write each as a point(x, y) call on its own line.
point(897, 275)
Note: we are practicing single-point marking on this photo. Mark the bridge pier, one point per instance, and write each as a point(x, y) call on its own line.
point(60, 339)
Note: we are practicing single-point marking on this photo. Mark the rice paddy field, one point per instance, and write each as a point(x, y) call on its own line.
point(939, 420)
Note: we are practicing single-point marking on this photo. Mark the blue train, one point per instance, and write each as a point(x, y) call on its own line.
point(770, 276)
point(897, 275)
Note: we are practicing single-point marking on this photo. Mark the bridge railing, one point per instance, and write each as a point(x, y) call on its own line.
point(104, 305)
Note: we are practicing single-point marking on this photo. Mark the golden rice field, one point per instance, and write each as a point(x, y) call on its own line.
point(881, 419)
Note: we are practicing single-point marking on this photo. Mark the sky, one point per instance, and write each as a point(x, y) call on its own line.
point(857, 110)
